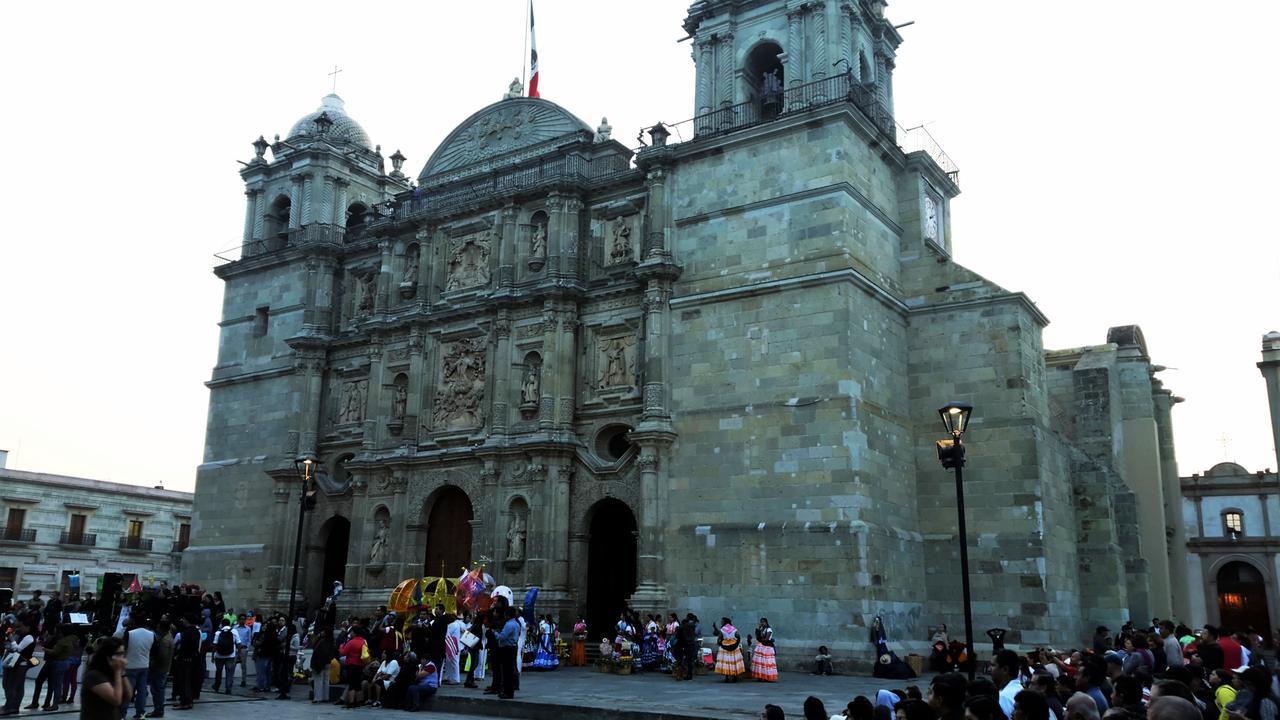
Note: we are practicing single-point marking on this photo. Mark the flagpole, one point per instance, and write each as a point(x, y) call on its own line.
point(524, 52)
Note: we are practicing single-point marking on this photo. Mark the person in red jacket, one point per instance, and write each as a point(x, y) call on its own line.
point(1232, 657)
point(353, 666)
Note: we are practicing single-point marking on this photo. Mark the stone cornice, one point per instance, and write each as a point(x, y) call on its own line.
point(808, 194)
point(848, 275)
point(218, 382)
point(1014, 297)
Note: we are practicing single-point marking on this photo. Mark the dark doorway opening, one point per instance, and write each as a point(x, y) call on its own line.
point(336, 535)
point(448, 534)
point(611, 564)
point(1242, 598)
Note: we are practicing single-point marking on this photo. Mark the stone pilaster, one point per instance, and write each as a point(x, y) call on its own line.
point(417, 385)
point(551, 362)
point(507, 253)
point(426, 257)
point(655, 237)
point(341, 187)
point(502, 374)
point(725, 70)
point(793, 56)
point(387, 287)
point(1270, 367)
point(818, 21)
point(651, 589)
point(326, 199)
point(259, 214)
point(373, 416)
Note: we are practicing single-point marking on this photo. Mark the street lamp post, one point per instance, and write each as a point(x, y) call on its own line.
point(304, 466)
point(955, 418)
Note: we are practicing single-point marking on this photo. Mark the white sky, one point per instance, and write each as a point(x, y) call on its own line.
point(1118, 162)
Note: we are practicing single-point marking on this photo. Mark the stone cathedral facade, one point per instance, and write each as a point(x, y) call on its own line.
point(702, 375)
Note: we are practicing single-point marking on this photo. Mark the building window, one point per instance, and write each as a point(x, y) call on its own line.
point(184, 537)
point(13, 525)
point(260, 318)
point(1233, 523)
point(77, 525)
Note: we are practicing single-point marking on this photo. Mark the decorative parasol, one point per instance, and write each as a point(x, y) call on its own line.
point(407, 595)
point(440, 591)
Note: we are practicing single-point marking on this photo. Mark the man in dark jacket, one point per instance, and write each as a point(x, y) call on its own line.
point(436, 635)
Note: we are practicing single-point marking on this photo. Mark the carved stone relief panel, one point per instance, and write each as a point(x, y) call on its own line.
point(616, 362)
point(618, 246)
point(467, 265)
point(351, 401)
point(459, 400)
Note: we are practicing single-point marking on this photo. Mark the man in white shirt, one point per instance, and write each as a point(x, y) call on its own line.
point(137, 641)
point(1006, 674)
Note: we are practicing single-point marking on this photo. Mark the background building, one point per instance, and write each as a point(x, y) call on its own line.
point(699, 375)
point(1232, 521)
point(55, 526)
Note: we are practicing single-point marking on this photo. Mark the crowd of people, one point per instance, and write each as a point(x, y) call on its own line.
point(163, 645)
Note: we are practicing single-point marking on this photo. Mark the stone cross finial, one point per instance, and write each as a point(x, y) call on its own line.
point(514, 90)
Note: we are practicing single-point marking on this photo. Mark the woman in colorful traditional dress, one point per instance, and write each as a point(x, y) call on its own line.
point(578, 655)
point(764, 662)
point(729, 658)
point(545, 658)
point(650, 655)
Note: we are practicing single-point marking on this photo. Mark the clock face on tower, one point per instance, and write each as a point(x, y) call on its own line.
point(930, 218)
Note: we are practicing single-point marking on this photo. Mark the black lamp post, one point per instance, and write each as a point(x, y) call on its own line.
point(955, 418)
point(305, 465)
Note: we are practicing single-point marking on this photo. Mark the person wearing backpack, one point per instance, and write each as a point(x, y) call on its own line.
point(224, 657)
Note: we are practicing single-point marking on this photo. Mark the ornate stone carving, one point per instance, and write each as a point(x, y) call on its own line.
point(502, 327)
point(399, 401)
point(529, 473)
point(538, 241)
point(378, 550)
point(460, 397)
point(529, 331)
point(616, 360)
point(410, 276)
point(469, 261)
point(647, 462)
point(365, 292)
point(399, 354)
point(530, 385)
point(516, 537)
point(351, 401)
point(620, 249)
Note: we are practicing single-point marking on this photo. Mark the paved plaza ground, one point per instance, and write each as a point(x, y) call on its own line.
point(566, 694)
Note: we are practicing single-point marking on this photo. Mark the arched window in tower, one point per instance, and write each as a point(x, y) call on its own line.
point(864, 68)
point(277, 222)
point(357, 215)
point(763, 75)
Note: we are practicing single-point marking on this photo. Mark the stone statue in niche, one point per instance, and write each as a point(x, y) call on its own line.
point(529, 386)
point(515, 538)
point(469, 261)
point(617, 367)
point(620, 245)
point(538, 243)
point(410, 276)
point(459, 399)
point(399, 402)
point(364, 296)
point(351, 401)
point(378, 551)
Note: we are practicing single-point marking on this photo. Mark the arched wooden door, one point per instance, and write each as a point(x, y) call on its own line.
point(1242, 598)
point(448, 534)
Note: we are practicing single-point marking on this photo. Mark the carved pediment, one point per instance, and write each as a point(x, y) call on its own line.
point(500, 129)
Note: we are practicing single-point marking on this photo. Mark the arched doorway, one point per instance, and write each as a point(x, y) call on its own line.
point(448, 533)
point(335, 535)
point(611, 562)
point(1242, 598)
point(763, 74)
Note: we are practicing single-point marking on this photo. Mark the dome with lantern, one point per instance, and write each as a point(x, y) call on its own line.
point(341, 128)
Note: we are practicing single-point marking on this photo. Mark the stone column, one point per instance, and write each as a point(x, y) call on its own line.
point(259, 214)
point(1270, 367)
point(726, 68)
point(250, 225)
point(417, 385)
point(562, 231)
point(502, 374)
point(1163, 401)
point(569, 240)
point(655, 237)
point(657, 331)
point(818, 18)
point(295, 201)
point(651, 590)
point(426, 257)
point(308, 183)
point(326, 199)
point(309, 363)
point(373, 399)
point(706, 70)
point(845, 40)
point(557, 531)
point(793, 57)
point(551, 362)
point(508, 255)
point(566, 370)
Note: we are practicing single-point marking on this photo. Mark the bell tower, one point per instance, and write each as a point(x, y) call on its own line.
point(743, 51)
